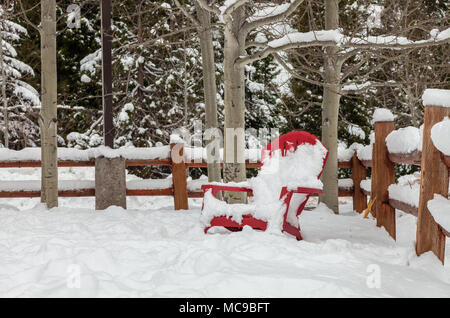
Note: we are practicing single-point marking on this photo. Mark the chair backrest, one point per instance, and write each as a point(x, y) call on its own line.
point(288, 143)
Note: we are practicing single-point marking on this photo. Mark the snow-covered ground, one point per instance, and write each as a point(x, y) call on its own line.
point(151, 250)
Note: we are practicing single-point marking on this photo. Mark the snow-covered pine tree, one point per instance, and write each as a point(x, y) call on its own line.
point(20, 101)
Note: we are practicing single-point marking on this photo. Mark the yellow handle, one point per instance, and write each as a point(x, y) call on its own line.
point(369, 207)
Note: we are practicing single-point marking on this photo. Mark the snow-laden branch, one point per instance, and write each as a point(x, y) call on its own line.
point(228, 9)
point(382, 41)
point(358, 88)
point(326, 38)
point(270, 50)
point(277, 14)
point(307, 37)
point(364, 86)
point(295, 40)
point(395, 42)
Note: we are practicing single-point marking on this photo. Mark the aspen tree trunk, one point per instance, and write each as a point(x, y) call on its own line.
point(48, 115)
point(5, 101)
point(330, 111)
point(234, 74)
point(209, 85)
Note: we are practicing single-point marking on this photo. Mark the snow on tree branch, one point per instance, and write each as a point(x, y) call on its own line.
point(307, 37)
point(272, 14)
point(395, 42)
point(232, 5)
point(325, 38)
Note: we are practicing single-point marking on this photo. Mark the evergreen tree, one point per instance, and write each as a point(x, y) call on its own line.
point(20, 100)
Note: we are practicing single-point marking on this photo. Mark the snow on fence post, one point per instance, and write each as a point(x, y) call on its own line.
point(359, 173)
point(383, 173)
point(180, 193)
point(434, 180)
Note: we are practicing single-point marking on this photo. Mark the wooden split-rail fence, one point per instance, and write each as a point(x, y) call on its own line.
point(434, 169)
point(179, 189)
point(434, 165)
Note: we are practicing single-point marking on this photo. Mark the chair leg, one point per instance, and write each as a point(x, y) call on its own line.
point(234, 229)
point(292, 230)
point(288, 228)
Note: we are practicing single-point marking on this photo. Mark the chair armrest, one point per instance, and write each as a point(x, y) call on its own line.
point(224, 187)
point(306, 190)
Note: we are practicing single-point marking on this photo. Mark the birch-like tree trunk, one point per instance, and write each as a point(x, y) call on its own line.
point(330, 110)
point(48, 115)
point(234, 76)
point(209, 87)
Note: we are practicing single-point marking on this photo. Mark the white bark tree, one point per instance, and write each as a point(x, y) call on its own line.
point(49, 93)
point(330, 110)
point(48, 117)
point(202, 21)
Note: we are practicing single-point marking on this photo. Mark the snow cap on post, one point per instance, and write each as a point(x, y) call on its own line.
point(382, 114)
point(438, 208)
point(404, 140)
point(439, 134)
point(436, 97)
point(176, 139)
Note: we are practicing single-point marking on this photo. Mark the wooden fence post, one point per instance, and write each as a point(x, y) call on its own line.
point(180, 193)
point(359, 173)
point(110, 183)
point(434, 179)
point(383, 175)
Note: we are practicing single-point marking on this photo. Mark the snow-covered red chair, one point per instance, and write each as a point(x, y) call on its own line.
point(290, 171)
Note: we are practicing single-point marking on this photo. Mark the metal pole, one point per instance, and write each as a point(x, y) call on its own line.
point(108, 128)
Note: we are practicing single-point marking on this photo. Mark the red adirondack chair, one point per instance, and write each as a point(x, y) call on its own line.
point(286, 145)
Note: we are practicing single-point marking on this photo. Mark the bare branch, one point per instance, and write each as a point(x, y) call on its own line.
point(186, 13)
point(271, 50)
point(295, 74)
point(255, 44)
point(24, 15)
